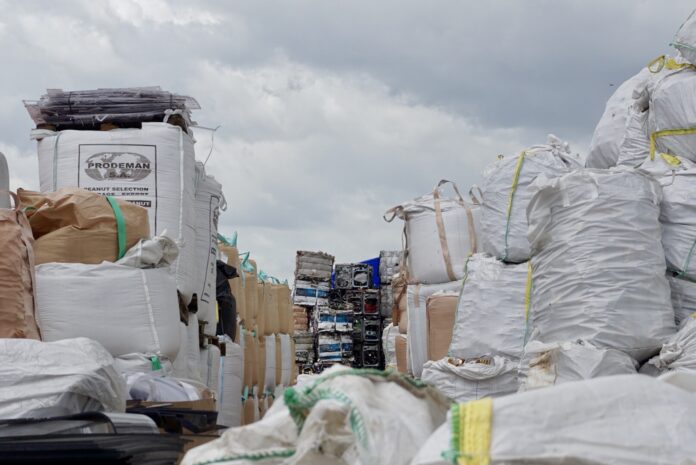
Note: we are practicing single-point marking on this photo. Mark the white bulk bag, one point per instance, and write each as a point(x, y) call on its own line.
point(560, 362)
point(142, 363)
point(683, 298)
point(229, 398)
point(677, 211)
point(286, 356)
point(685, 38)
point(125, 309)
point(441, 232)
point(635, 147)
point(270, 381)
point(464, 380)
point(210, 366)
point(598, 267)
point(416, 298)
point(47, 379)
point(672, 116)
point(350, 418)
point(492, 308)
point(609, 133)
point(615, 420)
point(677, 354)
point(505, 196)
point(209, 202)
point(152, 167)
point(389, 346)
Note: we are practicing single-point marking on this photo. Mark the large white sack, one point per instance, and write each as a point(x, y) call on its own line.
point(354, 417)
point(491, 313)
point(152, 167)
point(229, 398)
point(143, 363)
point(209, 202)
point(505, 196)
point(210, 366)
point(615, 420)
point(545, 365)
point(125, 309)
point(187, 362)
point(683, 298)
point(685, 38)
point(416, 298)
point(672, 116)
point(635, 147)
point(677, 354)
point(677, 211)
point(609, 133)
point(286, 356)
point(462, 380)
point(270, 381)
point(389, 346)
point(440, 232)
point(598, 266)
point(47, 379)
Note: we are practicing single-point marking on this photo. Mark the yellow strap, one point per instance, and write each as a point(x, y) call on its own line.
point(665, 133)
point(528, 291)
point(693, 315)
point(671, 64)
point(515, 180)
point(671, 159)
point(475, 421)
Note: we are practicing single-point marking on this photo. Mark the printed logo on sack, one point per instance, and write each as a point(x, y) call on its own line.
point(123, 166)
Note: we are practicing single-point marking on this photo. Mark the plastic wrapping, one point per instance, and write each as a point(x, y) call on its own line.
point(44, 379)
point(491, 313)
point(505, 197)
point(598, 263)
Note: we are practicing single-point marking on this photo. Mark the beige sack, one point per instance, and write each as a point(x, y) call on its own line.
point(401, 347)
point(272, 324)
point(73, 225)
point(17, 306)
point(440, 312)
point(261, 364)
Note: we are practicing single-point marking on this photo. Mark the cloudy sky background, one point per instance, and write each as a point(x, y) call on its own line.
point(332, 112)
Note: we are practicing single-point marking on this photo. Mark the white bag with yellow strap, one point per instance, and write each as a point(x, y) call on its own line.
point(598, 267)
point(416, 298)
point(677, 211)
point(491, 314)
point(616, 420)
point(441, 232)
point(505, 196)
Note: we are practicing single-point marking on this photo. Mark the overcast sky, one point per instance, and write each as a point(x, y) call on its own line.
point(332, 112)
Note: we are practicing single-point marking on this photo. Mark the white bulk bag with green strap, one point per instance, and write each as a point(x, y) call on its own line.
point(343, 417)
point(598, 267)
point(505, 196)
point(492, 309)
point(440, 233)
point(152, 167)
point(615, 420)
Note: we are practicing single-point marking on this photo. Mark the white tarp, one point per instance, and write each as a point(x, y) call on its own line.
point(125, 309)
point(491, 314)
point(609, 133)
point(677, 176)
point(209, 202)
point(505, 196)
point(440, 234)
point(598, 266)
point(615, 420)
point(152, 167)
point(683, 298)
point(545, 365)
point(46, 379)
point(462, 381)
point(677, 354)
point(416, 298)
point(229, 398)
point(358, 419)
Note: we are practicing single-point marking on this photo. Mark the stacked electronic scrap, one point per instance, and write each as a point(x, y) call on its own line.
point(312, 285)
point(354, 289)
point(440, 235)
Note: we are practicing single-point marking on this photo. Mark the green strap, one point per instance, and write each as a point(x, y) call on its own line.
point(120, 226)
point(155, 361)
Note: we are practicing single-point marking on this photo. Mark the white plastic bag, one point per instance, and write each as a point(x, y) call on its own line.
point(598, 267)
point(677, 354)
point(491, 314)
point(505, 196)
